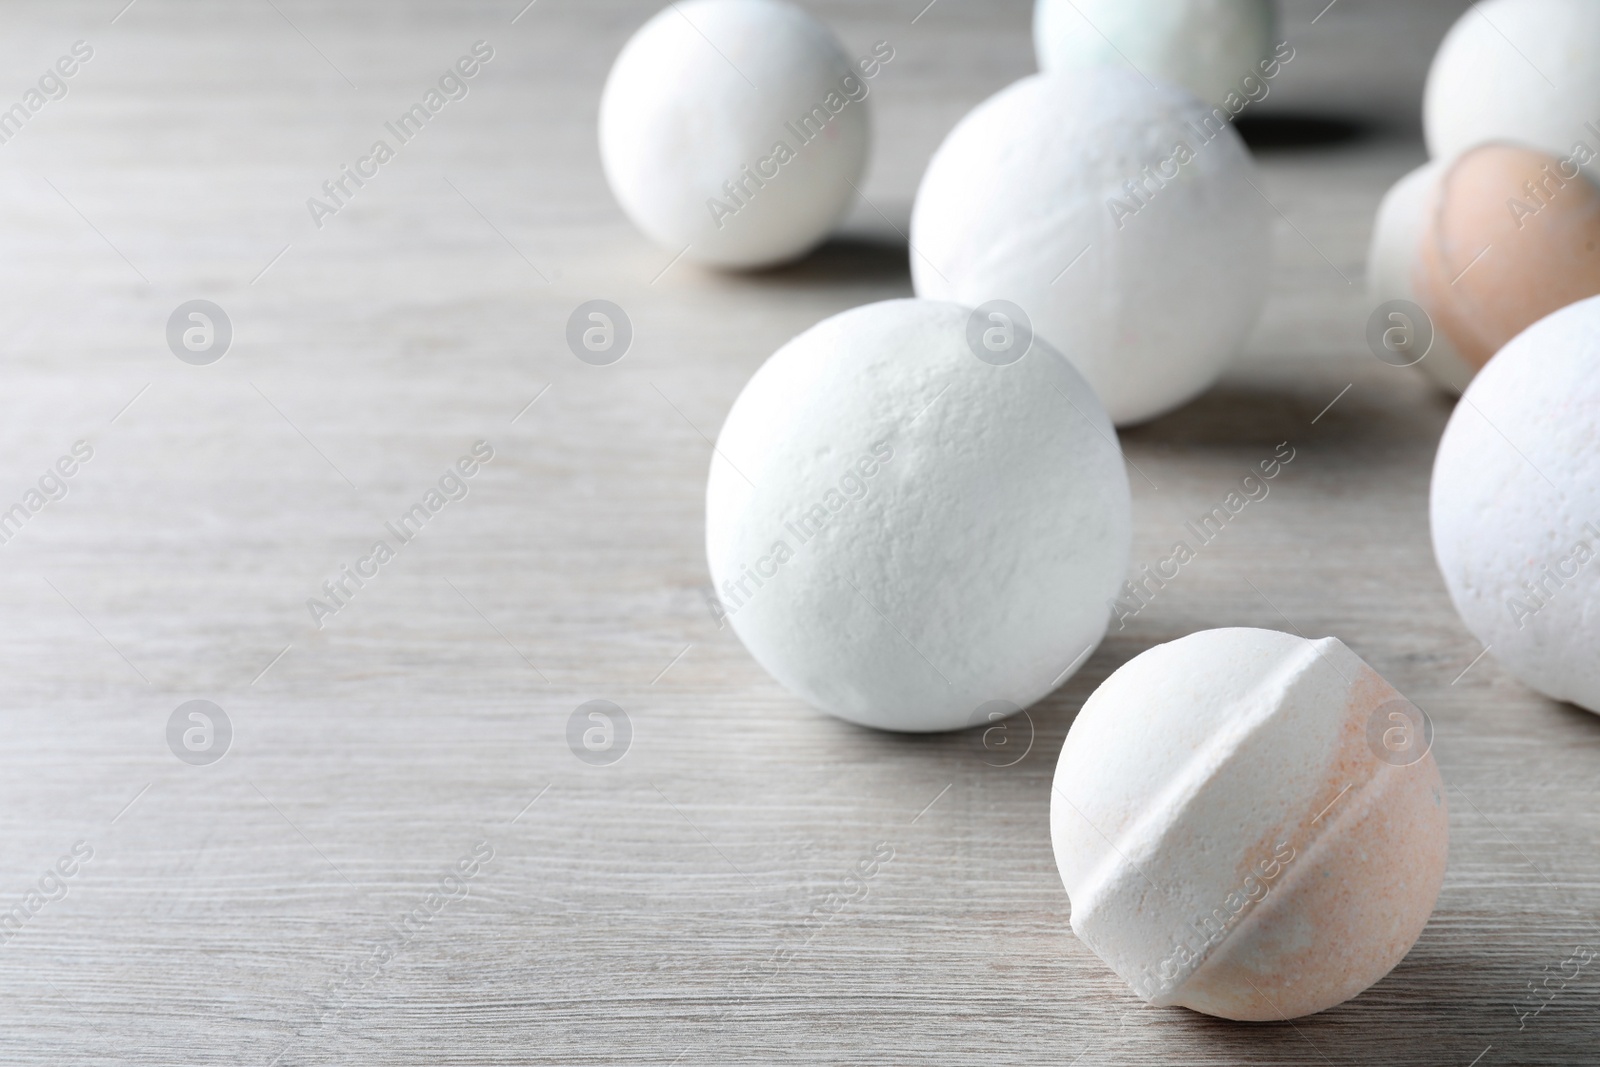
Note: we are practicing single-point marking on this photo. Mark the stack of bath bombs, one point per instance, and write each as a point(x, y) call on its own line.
point(917, 510)
point(1502, 227)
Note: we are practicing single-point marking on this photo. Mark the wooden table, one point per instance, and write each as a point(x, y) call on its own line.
point(294, 902)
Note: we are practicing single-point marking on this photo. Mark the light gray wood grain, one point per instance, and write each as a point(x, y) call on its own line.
point(674, 907)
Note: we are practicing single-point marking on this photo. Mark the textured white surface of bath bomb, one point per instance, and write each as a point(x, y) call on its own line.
point(1249, 824)
point(1521, 71)
point(1205, 46)
point(901, 532)
point(1150, 295)
point(1392, 259)
point(1515, 505)
point(692, 117)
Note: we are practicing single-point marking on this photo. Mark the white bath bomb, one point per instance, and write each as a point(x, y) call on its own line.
point(901, 532)
point(1521, 71)
point(1205, 46)
point(1119, 216)
point(1392, 256)
point(1518, 552)
point(736, 128)
point(1249, 824)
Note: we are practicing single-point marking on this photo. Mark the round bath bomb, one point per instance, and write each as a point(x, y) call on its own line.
point(735, 128)
point(1249, 824)
point(1487, 244)
point(1517, 551)
point(904, 527)
point(1397, 233)
point(1518, 70)
point(1119, 216)
point(1208, 47)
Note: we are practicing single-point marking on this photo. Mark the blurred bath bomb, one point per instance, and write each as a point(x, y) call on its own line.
point(1518, 553)
point(902, 531)
point(737, 128)
point(1119, 216)
point(1518, 70)
point(1205, 46)
point(1249, 824)
point(1403, 217)
point(1487, 244)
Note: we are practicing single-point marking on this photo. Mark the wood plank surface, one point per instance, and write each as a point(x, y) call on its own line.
point(293, 903)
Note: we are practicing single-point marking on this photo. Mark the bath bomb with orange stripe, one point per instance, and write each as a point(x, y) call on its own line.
point(1249, 824)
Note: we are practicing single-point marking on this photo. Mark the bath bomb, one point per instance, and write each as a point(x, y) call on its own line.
point(1249, 824)
point(1487, 244)
point(735, 129)
point(904, 530)
point(1521, 71)
point(1515, 505)
point(1205, 46)
point(1119, 216)
point(1403, 216)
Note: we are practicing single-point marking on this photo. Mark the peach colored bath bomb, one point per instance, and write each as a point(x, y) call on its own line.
point(1249, 824)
